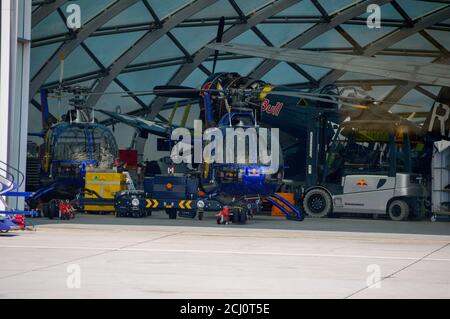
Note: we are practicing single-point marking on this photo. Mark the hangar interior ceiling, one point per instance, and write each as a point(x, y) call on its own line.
point(134, 45)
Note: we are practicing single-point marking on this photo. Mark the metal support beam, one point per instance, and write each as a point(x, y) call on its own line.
point(393, 38)
point(201, 55)
point(146, 41)
point(387, 41)
point(45, 10)
point(316, 31)
point(401, 91)
point(90, 27)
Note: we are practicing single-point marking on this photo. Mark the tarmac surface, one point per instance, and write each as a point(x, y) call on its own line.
point(105, 257)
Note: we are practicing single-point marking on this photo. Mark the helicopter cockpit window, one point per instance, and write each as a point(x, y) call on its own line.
point(84, 143)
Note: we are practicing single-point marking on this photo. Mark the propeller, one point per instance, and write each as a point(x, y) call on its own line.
point(219, 38)
point(175, 91)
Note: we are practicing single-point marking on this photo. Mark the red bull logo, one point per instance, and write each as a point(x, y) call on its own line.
point(362, 183)
point(272, 109)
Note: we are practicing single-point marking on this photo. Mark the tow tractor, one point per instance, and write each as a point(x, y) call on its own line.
point(372, 167)
point(177, 194)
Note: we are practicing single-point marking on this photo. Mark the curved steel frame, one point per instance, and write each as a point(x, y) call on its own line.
point(244, 24)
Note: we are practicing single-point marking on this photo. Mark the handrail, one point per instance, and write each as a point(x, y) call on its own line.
point(21, 175)
point(9, 176)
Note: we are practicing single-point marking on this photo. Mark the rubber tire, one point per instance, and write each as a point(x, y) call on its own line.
point(172, 213)
point(404, 210)
point(45, 210)
point(243, 217)
point(325, 197)
point(236, 216)
point(53, 211)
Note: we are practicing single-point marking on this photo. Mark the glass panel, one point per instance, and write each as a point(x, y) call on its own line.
point(441, 36)
point(164, 48)
point(147, 80)
point(242, 66)
point(363, 35)
point(220, 8)
point(416, 9)
point(114, 102)
point(248, 6)
point(52, 25)
point(280, 34)
point(40, 55)
point(315, 72)
point(332, 6)
point(137, 13)
point(415, 41)
point(248, 37)
point(304, 8)
point(76, 63)
point(283, 74)
point(195, 79)
point(163, 7)
point(330, 39)
point(194, 38)
point(110, 47)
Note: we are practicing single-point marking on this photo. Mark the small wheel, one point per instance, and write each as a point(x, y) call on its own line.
point(45, 210)
point(172, 213)
point(318, 203)
point(243, 216)
point(136, 214)
point(236, 217)
point(53, 211)
point(398, 210)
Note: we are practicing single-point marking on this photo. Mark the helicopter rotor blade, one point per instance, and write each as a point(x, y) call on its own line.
point(428, 73)
point(176, 91)
point(324, 97)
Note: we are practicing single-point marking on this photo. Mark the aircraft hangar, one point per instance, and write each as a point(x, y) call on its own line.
point(116, 117)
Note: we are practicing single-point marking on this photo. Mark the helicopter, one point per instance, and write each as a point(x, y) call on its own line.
point(70, 147)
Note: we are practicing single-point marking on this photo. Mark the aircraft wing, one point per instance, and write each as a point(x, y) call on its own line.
point(139, 123)
point(426, 73)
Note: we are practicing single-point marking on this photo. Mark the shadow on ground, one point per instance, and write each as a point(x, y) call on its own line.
point(343, 224)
